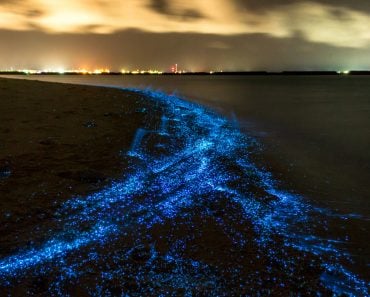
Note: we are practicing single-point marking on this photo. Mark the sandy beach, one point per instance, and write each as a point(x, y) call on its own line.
point(106, 192)
point(57, 142)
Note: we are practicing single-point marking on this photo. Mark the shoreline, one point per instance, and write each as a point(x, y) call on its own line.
point(239, 73)
point(57, 123)
point(56, 148)
point(190, 145)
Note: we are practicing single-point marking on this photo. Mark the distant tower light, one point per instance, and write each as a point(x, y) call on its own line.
point(174, 68)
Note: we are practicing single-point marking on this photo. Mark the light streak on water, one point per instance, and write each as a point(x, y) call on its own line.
point(189, 172)
point(135, 146)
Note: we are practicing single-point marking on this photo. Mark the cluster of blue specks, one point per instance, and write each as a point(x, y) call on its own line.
point(136, 236)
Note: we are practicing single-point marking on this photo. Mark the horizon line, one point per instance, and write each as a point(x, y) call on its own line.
point(150, 72)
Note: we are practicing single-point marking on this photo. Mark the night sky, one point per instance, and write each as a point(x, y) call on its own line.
point(196, 34)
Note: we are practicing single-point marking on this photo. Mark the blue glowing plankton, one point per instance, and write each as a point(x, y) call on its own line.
point(191, 216)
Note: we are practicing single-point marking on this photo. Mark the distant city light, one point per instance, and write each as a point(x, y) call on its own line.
point(174, 68)
point(101, 71)
point(138, 71)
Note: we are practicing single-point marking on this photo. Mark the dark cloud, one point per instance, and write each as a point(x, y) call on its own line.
point(263, 5)
point(137, 49)
point(9, 2)
point(164, 7)
point(34, 13)
point(20, 8)
point(92, 27)
point(161, 6)
point(340, 14)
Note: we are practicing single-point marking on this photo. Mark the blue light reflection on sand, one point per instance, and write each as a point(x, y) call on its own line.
point(163, 186)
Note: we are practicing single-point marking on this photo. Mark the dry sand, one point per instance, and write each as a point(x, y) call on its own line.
point(58, 141)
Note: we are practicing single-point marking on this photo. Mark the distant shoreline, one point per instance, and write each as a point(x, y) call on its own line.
point(242, 73)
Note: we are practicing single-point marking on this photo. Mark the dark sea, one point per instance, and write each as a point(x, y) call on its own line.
point(314, 133)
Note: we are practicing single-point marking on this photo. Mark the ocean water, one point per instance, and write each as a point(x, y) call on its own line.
point(315, 129)
point(314, 133)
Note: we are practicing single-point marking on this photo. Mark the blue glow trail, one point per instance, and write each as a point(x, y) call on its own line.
point(194, 216)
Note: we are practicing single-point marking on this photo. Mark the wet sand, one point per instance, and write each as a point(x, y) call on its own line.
point(58, 142)
point(62, 145)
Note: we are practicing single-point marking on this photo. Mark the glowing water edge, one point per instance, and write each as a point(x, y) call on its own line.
point(191, 216)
